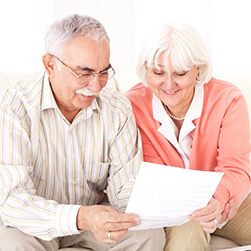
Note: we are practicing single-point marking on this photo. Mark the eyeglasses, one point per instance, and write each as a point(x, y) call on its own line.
point(86, 77)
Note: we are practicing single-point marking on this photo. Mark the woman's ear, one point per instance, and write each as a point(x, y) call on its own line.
point(49, 64)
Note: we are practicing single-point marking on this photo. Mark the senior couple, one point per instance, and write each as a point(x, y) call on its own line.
point(67, 143)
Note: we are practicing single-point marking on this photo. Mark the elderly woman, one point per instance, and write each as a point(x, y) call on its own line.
point(189, 119)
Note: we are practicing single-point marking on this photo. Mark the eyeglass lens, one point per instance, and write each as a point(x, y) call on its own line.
point(102, 76)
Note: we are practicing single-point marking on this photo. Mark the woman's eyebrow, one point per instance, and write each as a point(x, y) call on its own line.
point(160, 65)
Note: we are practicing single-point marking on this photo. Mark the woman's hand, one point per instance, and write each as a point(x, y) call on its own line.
point(106, 224)
point(208, 217)
point(229, 212)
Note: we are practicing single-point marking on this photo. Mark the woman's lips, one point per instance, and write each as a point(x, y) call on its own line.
point(170, 93)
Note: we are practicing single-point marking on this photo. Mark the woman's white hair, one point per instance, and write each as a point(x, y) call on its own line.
point(63, 31)
point(181, 44)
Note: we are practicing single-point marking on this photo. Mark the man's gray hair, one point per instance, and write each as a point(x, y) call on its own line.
point(63, 31)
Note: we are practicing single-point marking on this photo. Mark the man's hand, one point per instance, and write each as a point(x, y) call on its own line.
point(106, 224)
point(209, 216)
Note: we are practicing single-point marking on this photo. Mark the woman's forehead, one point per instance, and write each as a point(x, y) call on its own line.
point(170, 60)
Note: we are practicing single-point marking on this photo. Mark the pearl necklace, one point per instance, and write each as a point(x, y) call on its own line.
point(168, 112)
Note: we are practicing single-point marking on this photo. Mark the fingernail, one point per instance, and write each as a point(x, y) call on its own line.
point(138, 222)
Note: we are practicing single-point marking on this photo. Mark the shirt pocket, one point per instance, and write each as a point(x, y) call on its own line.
point(97, 174)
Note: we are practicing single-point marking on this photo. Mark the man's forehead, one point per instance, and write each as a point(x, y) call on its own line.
point(87, 40)
point(86, 54)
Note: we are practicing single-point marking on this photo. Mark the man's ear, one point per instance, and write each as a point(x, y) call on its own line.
point(49, 64)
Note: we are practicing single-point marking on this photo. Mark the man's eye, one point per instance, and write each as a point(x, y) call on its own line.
point(104, 73)
point(86, 74)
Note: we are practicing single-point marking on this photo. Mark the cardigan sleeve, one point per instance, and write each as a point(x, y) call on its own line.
point(234, 151)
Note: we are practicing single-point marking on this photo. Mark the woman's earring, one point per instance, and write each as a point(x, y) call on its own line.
point(198, 77)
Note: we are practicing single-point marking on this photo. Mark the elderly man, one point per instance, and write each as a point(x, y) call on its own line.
point(65, 141)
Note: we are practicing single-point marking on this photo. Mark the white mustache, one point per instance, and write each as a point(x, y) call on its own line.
point(87, 92)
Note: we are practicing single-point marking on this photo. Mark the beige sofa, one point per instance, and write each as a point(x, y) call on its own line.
point(122, 82)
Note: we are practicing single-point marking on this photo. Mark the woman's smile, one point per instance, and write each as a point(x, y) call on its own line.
point(170, 93)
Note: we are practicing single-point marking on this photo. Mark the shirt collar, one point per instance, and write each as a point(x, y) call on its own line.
point(196, 106)
point(48, 100)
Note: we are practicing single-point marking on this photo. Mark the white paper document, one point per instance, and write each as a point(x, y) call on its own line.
point(165, 196)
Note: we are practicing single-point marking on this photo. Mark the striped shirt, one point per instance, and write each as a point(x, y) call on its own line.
point(50, 167)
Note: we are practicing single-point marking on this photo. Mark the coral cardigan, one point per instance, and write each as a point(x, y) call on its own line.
point(221, 138)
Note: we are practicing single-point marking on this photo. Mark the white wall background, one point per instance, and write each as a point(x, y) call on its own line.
point(223, 24)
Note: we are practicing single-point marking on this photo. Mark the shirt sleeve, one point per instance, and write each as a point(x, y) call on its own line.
point(125, 154)
point(20, 206)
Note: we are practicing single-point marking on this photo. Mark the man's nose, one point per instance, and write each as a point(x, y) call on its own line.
point(95, 85)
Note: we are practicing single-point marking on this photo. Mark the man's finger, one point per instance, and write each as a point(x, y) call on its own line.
point(123, 217)
point(118, 226)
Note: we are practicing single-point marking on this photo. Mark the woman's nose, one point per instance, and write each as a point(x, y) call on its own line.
point(169, 82)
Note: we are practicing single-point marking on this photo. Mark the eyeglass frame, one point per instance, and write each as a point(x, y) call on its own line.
point(83, 74)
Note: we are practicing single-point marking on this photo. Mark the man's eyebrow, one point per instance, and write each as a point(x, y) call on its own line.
point(107, 68)
point(92, 70)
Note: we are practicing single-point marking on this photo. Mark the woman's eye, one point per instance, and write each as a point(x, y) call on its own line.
point(180, 74)
point(158, 73)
